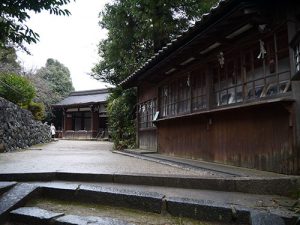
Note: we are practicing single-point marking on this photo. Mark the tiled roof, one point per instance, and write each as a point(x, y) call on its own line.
point(177, 42)
point(85, 97)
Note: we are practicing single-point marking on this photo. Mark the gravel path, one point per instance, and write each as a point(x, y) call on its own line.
point(84, 157)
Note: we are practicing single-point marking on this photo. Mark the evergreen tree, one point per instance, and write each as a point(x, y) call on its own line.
point(14, 13)
point(139, 28)
point(53, 83)
point(136, 30)
point(8, 60)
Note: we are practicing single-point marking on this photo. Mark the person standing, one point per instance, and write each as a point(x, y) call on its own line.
point(53, 130)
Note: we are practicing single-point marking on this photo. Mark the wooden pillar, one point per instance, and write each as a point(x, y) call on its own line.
point(293, 25)
point(64, 119)
point(92, 117)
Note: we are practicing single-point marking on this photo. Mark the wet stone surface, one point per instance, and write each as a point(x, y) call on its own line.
point(207, 210)
point(131, 216)
point(148, 201)
point(34, 214)
point(56, 185)
point(4, 186)
point(14, 197)
point(85, 157)
point(114, 190)
point(258, 218)
point(90, 220)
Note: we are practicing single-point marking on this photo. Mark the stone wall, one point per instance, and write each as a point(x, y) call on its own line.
point(18, 129)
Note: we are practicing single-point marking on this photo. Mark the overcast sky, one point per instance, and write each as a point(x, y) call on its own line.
point(71, 40)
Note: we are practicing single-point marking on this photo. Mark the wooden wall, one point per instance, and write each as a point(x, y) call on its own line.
point(68, 123)
point(260, 138)
point(148, 139)
point(146, 91)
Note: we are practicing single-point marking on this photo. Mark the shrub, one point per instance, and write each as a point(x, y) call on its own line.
point(121, 117)
point(16, 89)
point(37, 110)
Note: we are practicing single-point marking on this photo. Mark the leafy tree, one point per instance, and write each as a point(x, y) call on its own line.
point(137, 29)
point(43, 90)
point(8, 60)
point(14, 13)
point(53, 83)
point(145, 27)
point(121, 111)
point(16, 89)
point(58, 78)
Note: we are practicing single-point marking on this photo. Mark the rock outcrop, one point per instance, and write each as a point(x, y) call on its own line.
point(18, 129)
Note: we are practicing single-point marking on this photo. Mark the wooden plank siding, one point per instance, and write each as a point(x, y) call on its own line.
point(147, 132)
point(148, 139)
point(229, 97)
point(253, 138)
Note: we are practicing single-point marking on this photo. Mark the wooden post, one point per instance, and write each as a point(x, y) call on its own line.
point(293, 24)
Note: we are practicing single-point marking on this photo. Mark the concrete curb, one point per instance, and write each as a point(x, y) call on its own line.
point(271, 186)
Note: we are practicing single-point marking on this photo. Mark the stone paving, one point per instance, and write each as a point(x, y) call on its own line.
point(155, 184)
point(85, 157)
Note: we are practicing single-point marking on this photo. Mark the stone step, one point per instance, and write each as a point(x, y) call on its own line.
point(142, 200)
point(16, 197)
point(170, 201)
point(285, 185)
point(201, 205)
point(5, 186)
point(35, 215)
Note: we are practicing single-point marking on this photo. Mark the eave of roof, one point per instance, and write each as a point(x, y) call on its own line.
point(176, 43)
point(84, 98)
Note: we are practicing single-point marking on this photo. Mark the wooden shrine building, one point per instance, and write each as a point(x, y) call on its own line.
point(228, 89)
point(82, 115)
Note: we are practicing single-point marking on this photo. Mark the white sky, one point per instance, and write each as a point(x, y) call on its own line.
point(71, 40)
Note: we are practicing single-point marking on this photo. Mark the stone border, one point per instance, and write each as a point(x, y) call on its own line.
point(16, 197)
point(35, 215)
point(5, 186)
point(146, 201)
point(285, 186)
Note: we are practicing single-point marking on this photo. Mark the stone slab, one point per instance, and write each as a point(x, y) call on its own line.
point(216, 184)
point(43, 176)
point(33, 215)
point(87, 177)
point(57, 185)
point(91, 220)
point(207, 210)
point(261, 218)
point(272, 186)
point(61, 191)
point(143, 200)
point(4, 186)
point(16, 197)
